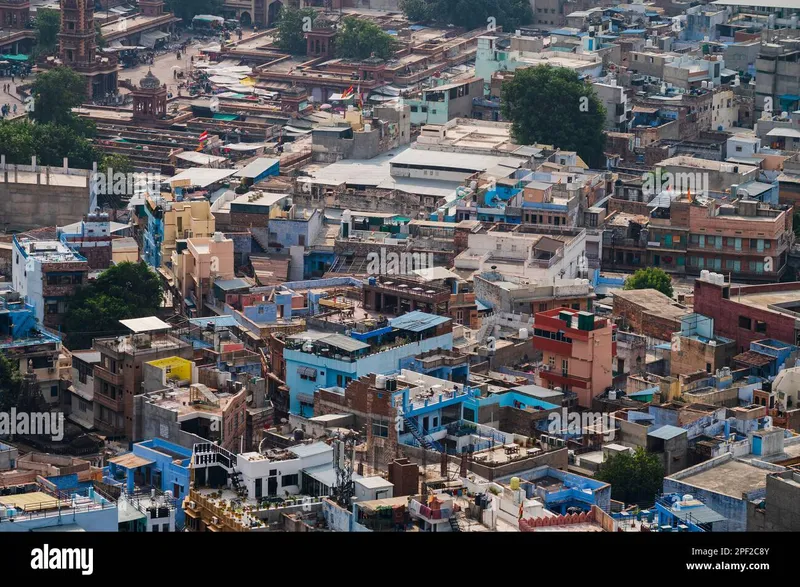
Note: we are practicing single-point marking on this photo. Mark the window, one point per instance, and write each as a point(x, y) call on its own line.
point(155, 527)
point(708, 367)
point(744, 322)
point(273, 472)
point(287, 480)
point(54, 391)
point(543, 306)
point(82, 405)
point(380, 427)
point(339, 380)
point(761, 326)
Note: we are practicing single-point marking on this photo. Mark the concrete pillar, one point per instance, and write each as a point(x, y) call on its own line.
point(130, 485)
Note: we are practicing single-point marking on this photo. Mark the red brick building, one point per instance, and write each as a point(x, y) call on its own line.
point(747, 313)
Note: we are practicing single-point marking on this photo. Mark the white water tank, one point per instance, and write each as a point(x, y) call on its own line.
point(704, 275)
point(612, 394)
point(688, 497)
point(367, 127)
point(523, 333)
point(380, 382)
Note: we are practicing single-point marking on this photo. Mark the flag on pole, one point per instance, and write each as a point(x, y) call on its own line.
point(202, 138)
point(347, 93)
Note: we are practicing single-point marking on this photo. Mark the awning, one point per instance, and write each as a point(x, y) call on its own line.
point(149, 39)
point(130, 461)
point(309, 372)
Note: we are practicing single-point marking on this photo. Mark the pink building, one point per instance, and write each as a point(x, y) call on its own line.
point(577, 351)
point(197, 264)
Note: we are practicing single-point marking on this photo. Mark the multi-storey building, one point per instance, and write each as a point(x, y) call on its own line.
point(577, 351)
point(47, 273)
point(119, 374)
point(34, 350)
point(746, 238)
point(320, 360)
point(196, 264)
point(166, 222)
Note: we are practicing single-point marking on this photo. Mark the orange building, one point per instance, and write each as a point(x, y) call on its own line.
point(577, 351)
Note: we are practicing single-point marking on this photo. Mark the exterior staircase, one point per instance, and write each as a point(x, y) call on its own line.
point(424, 441)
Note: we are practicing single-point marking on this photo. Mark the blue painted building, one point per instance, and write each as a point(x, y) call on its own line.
point(154, 463)
point(63, 504)
point(153, 235)
point(676, 513)
point(766, 358)
point(259, 170)
point(560, 490)
point(315, 360)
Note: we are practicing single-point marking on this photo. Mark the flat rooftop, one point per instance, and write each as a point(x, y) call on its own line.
point(732, 478)
point(767, 300)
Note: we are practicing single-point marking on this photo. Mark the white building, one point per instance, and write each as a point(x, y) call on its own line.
point(536, 254)
point(46, 273)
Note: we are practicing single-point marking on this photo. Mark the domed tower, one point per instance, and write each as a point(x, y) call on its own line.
point(320, 39)
point(149, 99)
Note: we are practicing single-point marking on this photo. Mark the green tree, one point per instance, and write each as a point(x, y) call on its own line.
point(111, 165)
point(48, 25)
point(127, 290)
point(188, 9)
point(471, 14)
point(20, 140)
point(650, 278)
point(291, 36)
point(415, 10)
point(552, 106)
point(98, 36)
point(10, 383)
point(359, 39)
point(56, 93)
point(634, 478)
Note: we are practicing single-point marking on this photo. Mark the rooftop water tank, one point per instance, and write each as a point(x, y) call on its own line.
point(380, 382)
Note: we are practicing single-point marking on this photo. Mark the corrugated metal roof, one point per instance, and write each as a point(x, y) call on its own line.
point(453, 160)
point(344, 343)
point(417, 321)
point(150, 324)
point(309, 450)
point(667, 432)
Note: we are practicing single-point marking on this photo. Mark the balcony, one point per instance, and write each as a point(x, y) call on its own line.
point(113, 404)
point(106, 375)
point(553, 346)
point(562, 380)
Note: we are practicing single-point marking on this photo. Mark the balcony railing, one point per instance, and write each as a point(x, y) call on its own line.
point(106, 375)
point(111, 403)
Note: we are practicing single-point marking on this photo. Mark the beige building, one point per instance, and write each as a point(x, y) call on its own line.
point(197, 263)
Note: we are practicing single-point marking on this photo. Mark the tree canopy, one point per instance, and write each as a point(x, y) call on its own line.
point(127, 290)
point(188, 9)
point(634, 478)
point(48, 25)
point(470, 14)
point(650, 278)
point(359, 39)
point(56, 93)
point(20, 140)
point(10, 383)
point(291, 36)
point(552, 106)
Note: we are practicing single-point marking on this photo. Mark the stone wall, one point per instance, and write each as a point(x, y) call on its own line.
point(24, 206)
